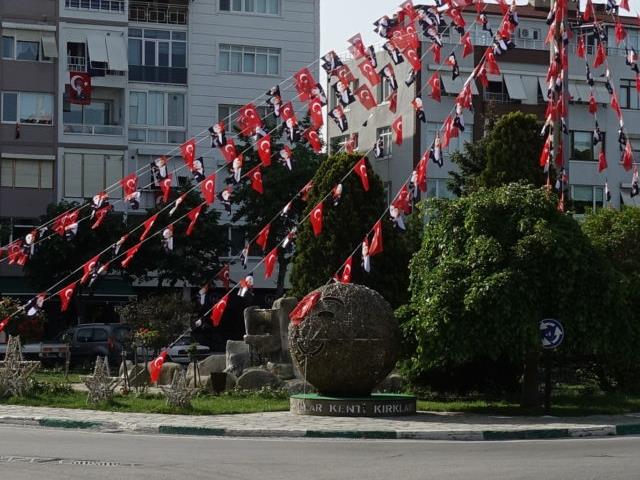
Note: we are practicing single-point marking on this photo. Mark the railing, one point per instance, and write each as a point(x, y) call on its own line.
point(76, 64)
point(499, 97)
point(114, 6)
point(157, 135)
point(143, 73)
point(79, 64)
point(113, 130)
point(163, 13)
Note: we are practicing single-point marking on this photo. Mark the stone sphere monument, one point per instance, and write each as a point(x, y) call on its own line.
point(345, 345)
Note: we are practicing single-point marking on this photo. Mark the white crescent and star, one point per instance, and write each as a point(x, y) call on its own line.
point(208, 185)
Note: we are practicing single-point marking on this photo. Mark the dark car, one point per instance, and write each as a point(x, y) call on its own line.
point(89, 340)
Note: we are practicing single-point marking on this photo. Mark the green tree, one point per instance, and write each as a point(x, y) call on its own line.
point(491, 266)
point(9, 306)
point(318, 258)
point(509, 152)
point(280, 186)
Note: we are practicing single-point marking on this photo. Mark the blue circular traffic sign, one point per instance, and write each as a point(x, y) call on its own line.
point(551, 332)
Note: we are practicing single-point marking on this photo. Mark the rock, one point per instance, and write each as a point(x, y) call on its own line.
point(297, 386)
point(213, 363)
point(284, 371)
point(138, 374)
point(129, 366)
point(169, 369)
point(237, 357)
point(266, 330)
point(348, 342)
point(394, 383)
point(257, 378)
point(230, 382)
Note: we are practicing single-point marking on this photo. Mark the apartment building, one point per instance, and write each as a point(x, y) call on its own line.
point(521, 86)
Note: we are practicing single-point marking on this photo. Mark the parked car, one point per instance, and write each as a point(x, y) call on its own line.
point(178, 352)
point(89, 340)
point(48, 353)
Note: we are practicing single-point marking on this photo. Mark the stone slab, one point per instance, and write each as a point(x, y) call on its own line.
point(380, 405)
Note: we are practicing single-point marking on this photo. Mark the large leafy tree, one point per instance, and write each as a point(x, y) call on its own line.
point(345, 225)
point(491, 266)
point(509, 152)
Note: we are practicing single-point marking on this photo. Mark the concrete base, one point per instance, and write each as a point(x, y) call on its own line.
point(378, 405)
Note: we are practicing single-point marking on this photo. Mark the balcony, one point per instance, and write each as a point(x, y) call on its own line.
point(171, 136)
point(159, 13)
point(498, 97)
point(143, 73)
point(109, 130)
point(79, 64)
point(112, 6)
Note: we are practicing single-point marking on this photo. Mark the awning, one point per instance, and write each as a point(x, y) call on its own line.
point(584, 91)
point(117, 53)
point(573, 91)
point(544, 86)
point(455, 86)
point(49, 46)
point(97, 48)
point(515, 88)
point(601, 93)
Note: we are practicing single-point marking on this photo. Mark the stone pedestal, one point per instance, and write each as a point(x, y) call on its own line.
point(377, 405)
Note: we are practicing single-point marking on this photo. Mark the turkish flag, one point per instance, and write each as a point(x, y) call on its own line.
point(304, 307)
point(411, 54)
point(357, 48)
point(624, 4)
point(601, 56)
point(129, 255)
point(270, 263)
point(615, 105)
point(580, 48)
point(100, 215)
point(627, 157)
point(224, 276)
point(248, 119)
point(396, 126)
point(193, 215)
point(304, 82)
point(351, 144)
point(620, 32)
point(403, 200)
point(361, 170)
point(436, 50)
point(4, 323)
point(14, 251)
point(490, 63)
point(188, 151)
point(129, 185)
point(376, 242)
point(393, 101)
point(155, 367)
point(467, 46)
point(369, 72)
point(288, 112)
point(593, 106)
point(263, 237)
point(365, 96)
point(421, 171)
point(87, 269)
point(316, 219)
point(313, 138)
point(602, 161)
point(315, 113)
point(79, 88)
point(65, 296)
point(218, 310)
point(264, 150)
point(208, 187)
point(345, 75)
point(345, 277)
point(229, 151)
point(165, 186)
point(148, 224)
point(304, 192)
point(256, 180)
point(436, 88)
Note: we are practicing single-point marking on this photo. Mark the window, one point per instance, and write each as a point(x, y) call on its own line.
point(438, 188)
point(30, 108)
point(27, 45)
point(383, 91)
point(27, 51)
point(582, 146)
point(163, 112)
point(387, 141)
point(8, 47)
point(497, 92)
point(98, 112)
point(85, 174)
point(587, 199)
point(263, 7)
point(629, 95)
point(250, 60)
point(157, 48)
point(20, 173)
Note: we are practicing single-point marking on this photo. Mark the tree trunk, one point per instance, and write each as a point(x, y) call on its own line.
point(530, 381)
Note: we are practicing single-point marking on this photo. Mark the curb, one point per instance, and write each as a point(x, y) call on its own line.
point(450, 435)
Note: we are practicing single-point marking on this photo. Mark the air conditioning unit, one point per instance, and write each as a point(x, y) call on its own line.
point(529, 33)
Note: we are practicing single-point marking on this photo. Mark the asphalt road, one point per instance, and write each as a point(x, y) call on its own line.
point(32, 453)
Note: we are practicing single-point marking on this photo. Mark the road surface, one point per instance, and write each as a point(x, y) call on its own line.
point(28, 453)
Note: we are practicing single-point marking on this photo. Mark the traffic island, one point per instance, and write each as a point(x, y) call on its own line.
point(376, 405)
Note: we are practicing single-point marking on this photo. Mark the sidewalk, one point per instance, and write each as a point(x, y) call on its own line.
point(424, 426)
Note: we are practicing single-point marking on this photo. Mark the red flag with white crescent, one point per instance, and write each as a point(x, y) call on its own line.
point(100, 215)
point(436, 51)
point(304, 193)
point(376, 242)
point(224, 276)
point(218, 310)
point(248, 119)
point(315, 113)
point(316, 219)
point(601, 56)
point(256, 180)
point(422, 172)
point(88, 268)
point(304, 307)
point(627, 157)
point(65, 296)
point(148, 224)
point(602, 161)
point(467, 46)
point(345, 276)
point(129, 255)
point(361, 170)
point(303, 81)
point(491, 65)
point(188, 151)
point(155, 367)
point(263, 237)
point(616, 105)
point(193, 215)
point(79, 88)
point(313, 138)
point(264, 150)
point(403, 200)
point(270, 263)
point(357, 48)
point(365, 96)
point(229, 151)
point(411, 54)
point(397, 130)
point(165, 186)
point(287, 112)
point(345, 74)
point(208, 187)
point(369, 72)
point(436, 90)
point(129, 184)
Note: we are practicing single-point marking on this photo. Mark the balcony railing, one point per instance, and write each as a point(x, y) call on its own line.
point(143, 73)
point(113, 130)
point(79, 64)
point(157, 135)
point(163, 13)
point(113, 6)
point(499, 97)
point(76, 64)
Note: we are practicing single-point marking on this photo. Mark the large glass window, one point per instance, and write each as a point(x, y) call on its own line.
point(251, 60)
point(26, 173)
point(7, 47)
point(263, 7)
point(157, 48)
point(27, 50)
point(587, 198)
point(387, 142)
point(582, 146)
point(86, 174)
point(161, 113)
point(629, 95)
point(25, 107)
point(23, 45)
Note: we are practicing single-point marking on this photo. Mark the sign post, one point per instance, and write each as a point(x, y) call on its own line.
point(552, 335)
